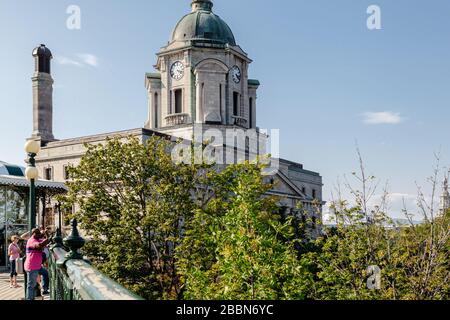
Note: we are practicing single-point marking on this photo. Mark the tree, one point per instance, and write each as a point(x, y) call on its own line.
point(413, 259)
point(195, 231)
point(131, 201)
point(171, 231)
point(235, 247)
point(427, 248)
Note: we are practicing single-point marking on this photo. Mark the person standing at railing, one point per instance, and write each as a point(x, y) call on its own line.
point(45, 255)
point(33, 264)
point(14, 254)
point(43, 273)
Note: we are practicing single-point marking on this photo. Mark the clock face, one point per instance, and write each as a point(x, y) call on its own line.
point(236, 74)
point(177, 70)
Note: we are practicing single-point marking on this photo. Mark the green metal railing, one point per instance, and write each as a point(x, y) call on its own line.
point(72, 278)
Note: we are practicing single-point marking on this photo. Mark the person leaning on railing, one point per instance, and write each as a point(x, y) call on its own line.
point(43, 272)
point(33, 264)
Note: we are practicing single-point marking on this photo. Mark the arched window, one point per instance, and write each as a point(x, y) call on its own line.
point(220, 99)
point(43, 64)
point(48, 173)
point(178, 101)
point(236, 104)
point(202, 96)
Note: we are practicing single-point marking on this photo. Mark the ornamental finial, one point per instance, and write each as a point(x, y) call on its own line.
point(74, 242)
point(205, 5)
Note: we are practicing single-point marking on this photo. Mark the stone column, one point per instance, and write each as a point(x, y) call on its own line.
point(43, 107)
point(150, 124)
point(199, 99)
point(224, 103)
point(42, 95)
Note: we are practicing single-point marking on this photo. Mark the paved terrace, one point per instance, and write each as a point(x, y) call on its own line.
point(71, 277)
point(7, 293)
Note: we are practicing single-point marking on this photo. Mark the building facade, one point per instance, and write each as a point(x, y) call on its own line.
point(201, 80)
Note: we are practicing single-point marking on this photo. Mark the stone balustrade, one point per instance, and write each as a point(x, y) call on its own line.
point(240, 121)
point(177, 119)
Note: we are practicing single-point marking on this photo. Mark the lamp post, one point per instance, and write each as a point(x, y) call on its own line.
point(32, 148)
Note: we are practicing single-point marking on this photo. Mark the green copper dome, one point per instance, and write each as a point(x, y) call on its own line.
point(203, 26)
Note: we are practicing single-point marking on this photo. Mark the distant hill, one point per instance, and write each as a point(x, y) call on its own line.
point(399, 222)
point(406, 222)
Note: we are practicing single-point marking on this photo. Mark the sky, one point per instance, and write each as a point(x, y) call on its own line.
point(328, 82)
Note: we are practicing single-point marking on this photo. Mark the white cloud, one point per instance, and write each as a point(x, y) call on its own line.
point(385, 117)
point(88, 59)
point(81, 60)
point(67, 61)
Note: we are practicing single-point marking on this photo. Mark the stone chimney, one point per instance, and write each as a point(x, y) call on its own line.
point(42, 96)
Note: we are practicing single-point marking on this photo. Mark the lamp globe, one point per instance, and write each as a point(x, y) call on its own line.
point(32, 146)
point(31, 173)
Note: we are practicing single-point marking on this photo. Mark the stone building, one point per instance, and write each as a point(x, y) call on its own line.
point(201, 81)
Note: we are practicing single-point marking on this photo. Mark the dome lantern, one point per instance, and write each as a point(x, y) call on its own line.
point(202, 26)
point(198, 5)
point(42, 56)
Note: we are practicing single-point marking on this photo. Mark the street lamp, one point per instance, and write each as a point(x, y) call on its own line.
point(32, 148)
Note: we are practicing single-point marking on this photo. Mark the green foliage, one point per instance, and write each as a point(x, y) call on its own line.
point(169, 231)
point(234, 247)
point(131, 200)
point(414, 260)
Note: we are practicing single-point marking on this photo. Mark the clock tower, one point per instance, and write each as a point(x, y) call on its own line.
point(202, 78)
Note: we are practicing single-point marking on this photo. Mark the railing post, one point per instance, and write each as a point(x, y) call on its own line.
point(62, 288)
point(75, 279)
point(58, 238)
point(74, 242)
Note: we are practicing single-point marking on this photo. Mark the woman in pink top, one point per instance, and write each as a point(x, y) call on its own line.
point(14, 254)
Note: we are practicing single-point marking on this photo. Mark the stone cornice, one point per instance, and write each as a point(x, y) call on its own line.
point(100, 137)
